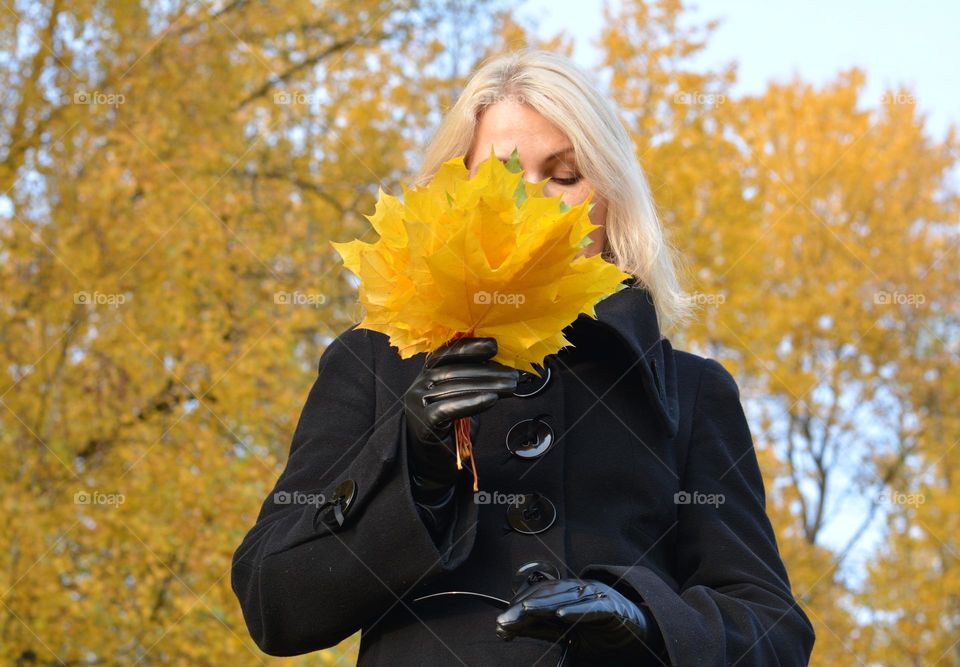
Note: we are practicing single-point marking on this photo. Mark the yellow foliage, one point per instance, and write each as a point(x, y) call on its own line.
point(484, 256)
point(170, 183)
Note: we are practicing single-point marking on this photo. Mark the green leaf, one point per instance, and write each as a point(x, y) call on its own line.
point(513, 163)
point(520, 194)
point(513, 166)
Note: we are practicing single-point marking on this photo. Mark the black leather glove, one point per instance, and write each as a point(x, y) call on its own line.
point(457, 380)
point(597, 619)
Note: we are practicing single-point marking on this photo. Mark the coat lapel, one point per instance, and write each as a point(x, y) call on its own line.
point(629, 316)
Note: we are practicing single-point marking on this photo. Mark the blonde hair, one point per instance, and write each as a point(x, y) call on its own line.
point(604, 154)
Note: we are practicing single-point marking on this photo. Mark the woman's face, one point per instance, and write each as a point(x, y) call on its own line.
point(544, 151)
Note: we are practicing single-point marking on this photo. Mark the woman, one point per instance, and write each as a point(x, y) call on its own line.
point(621, 517)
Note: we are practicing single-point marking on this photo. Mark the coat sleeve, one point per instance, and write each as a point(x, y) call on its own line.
point(733, 604)
point(306, 581)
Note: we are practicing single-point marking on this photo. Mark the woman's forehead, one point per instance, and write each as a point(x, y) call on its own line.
point(506, 125)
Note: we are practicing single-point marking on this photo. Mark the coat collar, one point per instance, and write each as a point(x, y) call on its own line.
point(630, 317)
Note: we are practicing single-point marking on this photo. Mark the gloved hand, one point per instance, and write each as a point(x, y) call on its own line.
point(457, 380)
point(597, 619)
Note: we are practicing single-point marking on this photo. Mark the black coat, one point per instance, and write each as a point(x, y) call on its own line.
point(649, 482)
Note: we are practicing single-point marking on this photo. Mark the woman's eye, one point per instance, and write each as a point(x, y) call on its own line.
point(566, 181)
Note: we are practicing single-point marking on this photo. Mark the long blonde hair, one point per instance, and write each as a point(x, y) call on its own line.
point(563, 94)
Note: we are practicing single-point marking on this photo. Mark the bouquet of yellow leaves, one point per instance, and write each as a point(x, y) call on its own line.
point(475, 257)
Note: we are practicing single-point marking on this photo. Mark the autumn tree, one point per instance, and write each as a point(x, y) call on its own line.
point(172, 173)
point(816, 223)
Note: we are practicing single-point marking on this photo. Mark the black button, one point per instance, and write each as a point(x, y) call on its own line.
point(534, 514)
point(333, 509)
point(529, 384)
point(530, 438)
point(530, 573)
point(346, 491)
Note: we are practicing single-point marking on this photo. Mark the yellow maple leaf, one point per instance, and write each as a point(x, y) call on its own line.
point(484, 256)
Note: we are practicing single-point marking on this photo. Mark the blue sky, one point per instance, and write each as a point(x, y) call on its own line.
point(914, 43)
